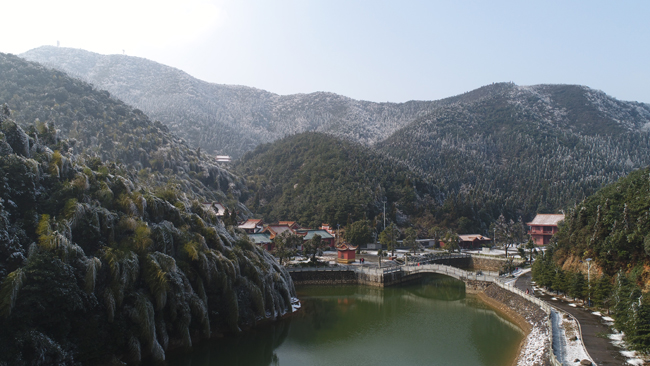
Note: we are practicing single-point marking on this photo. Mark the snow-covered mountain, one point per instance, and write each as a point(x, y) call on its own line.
point(524, 149)
point(235, 119)
point(227, 119)
point(501, 148)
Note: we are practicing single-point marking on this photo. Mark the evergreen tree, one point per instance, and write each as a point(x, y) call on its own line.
point(602, 291)
point(358, 233)
point(624, 297)
point(639, 335)
point(451, 241)
point(530, 245)
point(314, 246)
point(578, 286)
point(389, 238)
point(410, 236)
point(284, 245)
point(559, 281)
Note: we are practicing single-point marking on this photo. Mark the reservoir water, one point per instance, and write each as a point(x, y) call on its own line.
point(430, 322)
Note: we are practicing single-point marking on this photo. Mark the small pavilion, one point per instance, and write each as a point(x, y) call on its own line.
point(346, 253)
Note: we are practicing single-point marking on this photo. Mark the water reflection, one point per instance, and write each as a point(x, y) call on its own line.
point(432, 322)
point(254, 348)
point(438, 287)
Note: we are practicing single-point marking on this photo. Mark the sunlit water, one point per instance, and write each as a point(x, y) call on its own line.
point(428, 323)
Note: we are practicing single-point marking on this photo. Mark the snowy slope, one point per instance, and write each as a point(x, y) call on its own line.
point(226, 118)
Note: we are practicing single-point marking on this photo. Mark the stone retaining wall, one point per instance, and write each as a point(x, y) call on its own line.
point(536, 348)
point(324, 278)
point(475, 287)
point(489, 264)
point(352, 278)
point(462, 263)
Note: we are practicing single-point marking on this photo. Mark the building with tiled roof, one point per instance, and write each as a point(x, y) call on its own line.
point(543, 227)
point(263, 240)
point(292, 224)
point(275, 230)
point(324, 236)
point(472, 240)
point(252, 226)
point(346, 253)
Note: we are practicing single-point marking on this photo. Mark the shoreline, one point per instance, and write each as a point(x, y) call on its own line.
point(511, 316)
point(500, 308)
point(535, 348)
point(506, 312)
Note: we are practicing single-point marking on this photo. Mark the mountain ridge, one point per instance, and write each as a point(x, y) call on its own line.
point(501, 148)
point(101, 126)
point(223, 109)
point(524, 150)
point(233, 119)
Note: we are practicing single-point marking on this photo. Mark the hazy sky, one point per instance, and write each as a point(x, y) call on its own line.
point(372, 50)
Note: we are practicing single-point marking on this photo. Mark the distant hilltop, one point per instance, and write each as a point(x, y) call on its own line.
point(231, 120)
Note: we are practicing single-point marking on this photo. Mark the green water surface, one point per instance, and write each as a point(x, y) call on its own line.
point(431, 322)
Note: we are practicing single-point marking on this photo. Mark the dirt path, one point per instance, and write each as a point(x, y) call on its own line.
point(594, 330)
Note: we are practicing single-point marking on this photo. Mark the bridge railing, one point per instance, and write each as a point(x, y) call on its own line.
point(487, 276)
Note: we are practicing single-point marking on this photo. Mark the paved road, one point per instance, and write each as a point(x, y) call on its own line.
point(600, 349)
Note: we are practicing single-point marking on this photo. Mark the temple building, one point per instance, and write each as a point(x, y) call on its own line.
point(346, 253)
point(263, 240)
point(543, 227)
point(472, 241)
point(325, 237)
point(252, 226)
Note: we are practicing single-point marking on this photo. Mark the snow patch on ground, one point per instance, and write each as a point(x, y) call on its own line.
point(535, 347)
point(636, 361)
point(567, 342)
point(597, 313)
point(633, 358)
point(295, 304)
point(608, 319)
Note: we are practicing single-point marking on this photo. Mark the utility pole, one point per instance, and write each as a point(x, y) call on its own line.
point(384, 213)
point(589, 280)
point(338, 233)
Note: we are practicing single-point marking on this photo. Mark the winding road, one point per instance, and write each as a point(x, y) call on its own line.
point(594, 330)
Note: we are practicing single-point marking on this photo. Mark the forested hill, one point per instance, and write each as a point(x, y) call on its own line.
point(225, 118)
point(611, 226)
point(502, 148)
point(107, 254)
point(90, 121)
point(315, 178)
point(96, 268)
point(523, 150)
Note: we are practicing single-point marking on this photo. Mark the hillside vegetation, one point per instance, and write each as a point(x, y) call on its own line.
point(612, 227)
point(227, 119)
point(106, 253)
point(96, 124)
point(500, 149)
point(315, 178)
point(524, 150)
